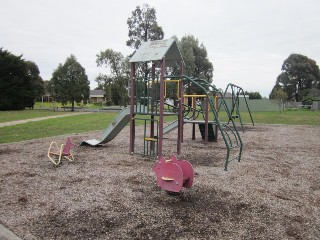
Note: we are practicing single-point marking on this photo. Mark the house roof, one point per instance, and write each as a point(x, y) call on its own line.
point(97, 92)
point(228, 95)
point(157, 50)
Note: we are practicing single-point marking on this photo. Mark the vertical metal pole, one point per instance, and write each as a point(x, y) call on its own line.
point(132, 122)
point(180, 118)
point(161, 96)
point(193, 117)
point(233, 100)
point(206, 120)
point(152, 107)
point(237, 108)
point(180, 113)
point(156, 146)
point(247, 107)
point(216, 102)
point(144, 138)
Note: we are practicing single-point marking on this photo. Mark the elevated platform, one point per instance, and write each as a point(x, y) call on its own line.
point(199, 122)
point(156, 113)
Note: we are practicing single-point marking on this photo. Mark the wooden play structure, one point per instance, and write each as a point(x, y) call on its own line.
point(55, 153)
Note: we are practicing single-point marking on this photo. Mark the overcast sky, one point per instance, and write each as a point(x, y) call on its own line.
point(247, 41)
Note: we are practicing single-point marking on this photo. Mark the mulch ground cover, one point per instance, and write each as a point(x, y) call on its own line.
point(106, 193)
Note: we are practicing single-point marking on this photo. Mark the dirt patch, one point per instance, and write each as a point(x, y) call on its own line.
point(106, 193)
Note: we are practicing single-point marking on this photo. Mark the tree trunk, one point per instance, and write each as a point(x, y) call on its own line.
point(72, 106)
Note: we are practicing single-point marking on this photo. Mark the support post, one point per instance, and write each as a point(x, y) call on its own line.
point(193, 118)
point(152, 108)
point(161, 95)
point(132, 122)
point(180, 112)
point(216, 102)
point(206, 120)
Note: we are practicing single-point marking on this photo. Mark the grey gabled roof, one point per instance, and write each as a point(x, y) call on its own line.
point(157, 50)
point(97, 92)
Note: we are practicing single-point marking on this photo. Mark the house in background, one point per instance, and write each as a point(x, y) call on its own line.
point(97, 96)
point(228, 95)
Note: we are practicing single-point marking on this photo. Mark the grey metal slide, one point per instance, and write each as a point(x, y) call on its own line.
point(114, 128)
point(170, 127)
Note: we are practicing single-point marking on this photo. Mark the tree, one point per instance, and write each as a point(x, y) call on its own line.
point(37, 84)
point(279, 95)
point(20, 82)
point(253, 95)
point(299, 75)
point(196, 58)
point(143, 26)
point(115, 84)
point(70, 82)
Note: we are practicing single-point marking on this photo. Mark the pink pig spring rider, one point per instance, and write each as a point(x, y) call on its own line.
point(173, 174)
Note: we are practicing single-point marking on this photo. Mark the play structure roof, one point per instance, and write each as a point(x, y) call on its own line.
point(156, 50)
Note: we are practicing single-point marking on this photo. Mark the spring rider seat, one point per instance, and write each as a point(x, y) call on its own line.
point(55, 153)
point(173, 174)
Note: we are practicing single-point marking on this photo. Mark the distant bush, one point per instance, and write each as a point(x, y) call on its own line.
point(307, 100)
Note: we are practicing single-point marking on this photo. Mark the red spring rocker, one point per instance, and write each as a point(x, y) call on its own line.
point(173, 174)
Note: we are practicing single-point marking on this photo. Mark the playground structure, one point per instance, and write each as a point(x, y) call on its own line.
point(148, 96)
point(236, 92)
point(55, 153)
point(187, 100)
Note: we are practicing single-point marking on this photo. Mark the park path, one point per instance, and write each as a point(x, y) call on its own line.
point(4, 124)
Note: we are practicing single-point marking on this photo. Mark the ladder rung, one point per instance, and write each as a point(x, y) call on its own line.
point(150, 139)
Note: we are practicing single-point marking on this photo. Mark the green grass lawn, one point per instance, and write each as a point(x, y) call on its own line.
point(56, 126)
point(8, 116)
point(100, 120)
point(298, 117)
